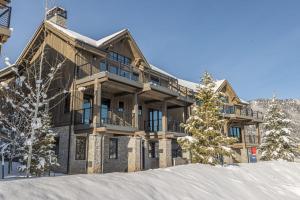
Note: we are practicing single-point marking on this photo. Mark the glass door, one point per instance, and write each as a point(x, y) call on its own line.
point(155, 120)
point(87, 109)
point(105, 109)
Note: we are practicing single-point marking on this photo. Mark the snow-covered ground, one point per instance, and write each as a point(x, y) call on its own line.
point(264, 180)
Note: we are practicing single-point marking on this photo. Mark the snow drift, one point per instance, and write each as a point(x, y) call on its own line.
point(264, 180)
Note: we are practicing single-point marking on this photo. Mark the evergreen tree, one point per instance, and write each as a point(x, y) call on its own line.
point(277, 142)
point(206, 142)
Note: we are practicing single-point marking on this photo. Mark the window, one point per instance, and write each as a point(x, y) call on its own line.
point(67, 103)
point(113, 69)
point(153, 147)
point(225, 99)
point(121, 106)
point(140, 110)
point(235, 132)
point(124, 73)
point(56, 147)
point(155, 80)
point(127, 61)
point(113, 148)
point(119, 58)
point(103, 66)
point(80, 148)
point(135, 76)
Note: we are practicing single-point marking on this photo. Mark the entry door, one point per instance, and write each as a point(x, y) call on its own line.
point(105, 109)
point(155, 120)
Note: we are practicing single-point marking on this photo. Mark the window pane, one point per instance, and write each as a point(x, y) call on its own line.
point(113, 148)
point(102, 66)
point(125, 73)
point(113, 69)
point(135, 76)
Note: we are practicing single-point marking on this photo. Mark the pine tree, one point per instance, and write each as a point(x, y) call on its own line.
point(277, 142)
point(206, 143)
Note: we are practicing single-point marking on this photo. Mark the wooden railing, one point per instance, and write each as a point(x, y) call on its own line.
point(112, 117)
point(242, 111)
point(5, 15)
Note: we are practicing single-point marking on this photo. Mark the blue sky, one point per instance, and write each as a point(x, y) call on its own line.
point(253, 44)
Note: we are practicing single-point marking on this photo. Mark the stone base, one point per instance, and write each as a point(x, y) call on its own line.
point(165, 153)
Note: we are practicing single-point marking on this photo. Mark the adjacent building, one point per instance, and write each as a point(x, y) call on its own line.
point(122, 113)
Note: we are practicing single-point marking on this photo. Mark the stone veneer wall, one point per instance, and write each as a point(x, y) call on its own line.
point(63, 135)
point(121, 163)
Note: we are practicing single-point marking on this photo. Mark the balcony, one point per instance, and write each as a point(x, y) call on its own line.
point(252, 139)
point(156, 126)
point(5, 15)
point(241, 112)
point(115, 72)
point(112, 119)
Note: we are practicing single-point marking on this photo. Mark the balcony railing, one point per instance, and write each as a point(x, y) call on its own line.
point(241, 111)
point(156, 126)
point(110, 117)
point(5, 14)
point(251, 139)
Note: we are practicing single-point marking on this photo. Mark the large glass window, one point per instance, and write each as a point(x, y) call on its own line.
point(113, 148)
point(105, 106)
point(103, 66)
point(125, 73)
point(155, 120)
point(119, 58)
point(235, 132)
point(87, 109)
point(80, 148)
point(113, 69)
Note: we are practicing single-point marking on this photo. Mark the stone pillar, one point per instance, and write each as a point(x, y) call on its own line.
point(244, 155)
point(147, 161)
point(243, 136)
point(165, 153)
point(94, 154)
point(134, 154)
point(135, 111)
point(96, 104)
point(164, 117)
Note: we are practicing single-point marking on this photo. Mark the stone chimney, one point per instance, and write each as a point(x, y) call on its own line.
point(58, 16)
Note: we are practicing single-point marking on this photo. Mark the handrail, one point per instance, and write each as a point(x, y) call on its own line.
point(5, 15)
point(241, 111)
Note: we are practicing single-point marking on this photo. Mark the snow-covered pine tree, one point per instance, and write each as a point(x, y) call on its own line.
point(206, 142)
point(277, 142)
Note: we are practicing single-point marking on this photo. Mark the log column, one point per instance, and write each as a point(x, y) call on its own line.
point(164, 117)
point(135, 111)
point(96, 105)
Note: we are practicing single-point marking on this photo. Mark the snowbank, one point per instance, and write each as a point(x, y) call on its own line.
point(265, 180)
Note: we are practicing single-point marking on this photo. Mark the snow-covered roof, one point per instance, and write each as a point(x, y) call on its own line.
point(85, 39)
point(244, 101)
point(161, 71)
point(193, 85)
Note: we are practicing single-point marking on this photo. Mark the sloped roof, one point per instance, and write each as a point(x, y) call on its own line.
point(193, 86)
point(85, 39)
point(161, 71)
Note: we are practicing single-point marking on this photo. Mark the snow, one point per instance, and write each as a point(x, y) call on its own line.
point(85, 39)
point(159, 70)
point(264, 180)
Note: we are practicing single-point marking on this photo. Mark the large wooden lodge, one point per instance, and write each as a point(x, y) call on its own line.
point(122, 113)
